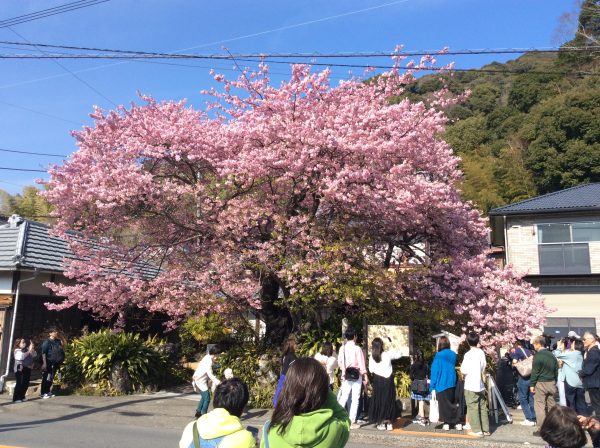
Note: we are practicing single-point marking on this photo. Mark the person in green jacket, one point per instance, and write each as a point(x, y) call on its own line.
point(307, 413)
point(544, 374)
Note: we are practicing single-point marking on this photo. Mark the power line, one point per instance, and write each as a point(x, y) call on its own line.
point(73, 6)
point(16, 106)
point(22, 169)
point(376, 54)
point(84, 82)
point(318, 64)
point(32, 153)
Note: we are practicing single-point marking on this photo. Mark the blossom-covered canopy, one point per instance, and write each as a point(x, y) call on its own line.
point(298, 195)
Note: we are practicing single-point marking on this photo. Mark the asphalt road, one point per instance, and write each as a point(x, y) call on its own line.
point(157, 419)
point(16, 431)
point(49, 433)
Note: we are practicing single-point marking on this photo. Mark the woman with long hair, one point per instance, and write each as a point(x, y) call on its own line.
point(382, 409)
point(443, 383)
point(328, 360)
point(288, 356)
point(24, 354)
point(307, 413)
point(418, 373)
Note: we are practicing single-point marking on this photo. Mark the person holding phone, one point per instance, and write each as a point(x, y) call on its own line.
point(24, 354)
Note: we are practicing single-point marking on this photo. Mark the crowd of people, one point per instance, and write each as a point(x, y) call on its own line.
point(307, 413)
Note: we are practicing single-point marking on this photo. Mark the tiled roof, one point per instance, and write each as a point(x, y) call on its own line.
point(30, 246)
point(580, 198)
point(8, 247)
point(42, 250)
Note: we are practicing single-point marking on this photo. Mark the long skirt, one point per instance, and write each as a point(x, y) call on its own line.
point(278, 389)
point(448, 406)
point(382, 406)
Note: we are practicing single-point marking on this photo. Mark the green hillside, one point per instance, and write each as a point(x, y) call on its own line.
point(531, 129)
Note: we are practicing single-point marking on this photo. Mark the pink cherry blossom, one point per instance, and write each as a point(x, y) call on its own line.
point(286, 188)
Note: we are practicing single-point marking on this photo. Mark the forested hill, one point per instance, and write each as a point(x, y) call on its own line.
point(532, 129)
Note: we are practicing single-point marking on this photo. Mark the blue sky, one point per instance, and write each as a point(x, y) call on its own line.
point(40, 102)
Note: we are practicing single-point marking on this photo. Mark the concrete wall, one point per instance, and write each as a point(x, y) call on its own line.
point(575, 305)
point(6, 279)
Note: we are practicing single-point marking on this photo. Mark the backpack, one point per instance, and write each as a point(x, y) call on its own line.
point(56, 354)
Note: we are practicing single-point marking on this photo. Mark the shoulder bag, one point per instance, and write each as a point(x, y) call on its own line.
point(351, 373)
point(525, 366)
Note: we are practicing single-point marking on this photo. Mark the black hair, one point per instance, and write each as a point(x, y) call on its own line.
point(561, 429)
point(443, 343)
point(289, 346)
point(305, 389)
point(376, 349)
point(214, 350)
point(472, 339)
point(327, 349)
point(578, 344)
point(418, 356)
point(232, 395)
point(349, 334)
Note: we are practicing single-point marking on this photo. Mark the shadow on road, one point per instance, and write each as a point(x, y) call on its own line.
point(89, 411)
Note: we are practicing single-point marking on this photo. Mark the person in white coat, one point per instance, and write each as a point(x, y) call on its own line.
point(328, 359)
point(473, 367)
point(382, 409)
point(200, 379)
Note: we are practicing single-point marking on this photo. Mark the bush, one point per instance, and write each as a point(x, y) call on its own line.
point(255, 366)
point(403, 383)
point(115, 362)
point(196, 332)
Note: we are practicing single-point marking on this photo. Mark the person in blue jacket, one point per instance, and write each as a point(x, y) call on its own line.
point(443, 383)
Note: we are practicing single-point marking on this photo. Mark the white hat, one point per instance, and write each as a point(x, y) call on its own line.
point(572, 334)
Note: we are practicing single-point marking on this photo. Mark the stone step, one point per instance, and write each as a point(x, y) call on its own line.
point(33, 389)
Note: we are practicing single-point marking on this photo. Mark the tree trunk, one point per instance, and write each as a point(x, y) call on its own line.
point(277, 319)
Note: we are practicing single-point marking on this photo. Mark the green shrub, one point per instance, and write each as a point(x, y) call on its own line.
point(402, 384)
point(255, 366)
point(196, 332)
point(101, 356)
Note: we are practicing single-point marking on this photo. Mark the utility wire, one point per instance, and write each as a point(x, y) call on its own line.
point(463, 52)
point(16, 106)
point(32, 153)
point(317, 64)
point(22, 169)
point(77, 77)
point(73, 6)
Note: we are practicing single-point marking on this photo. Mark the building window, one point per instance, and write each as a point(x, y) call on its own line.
point(563, 247)
point(559, 327)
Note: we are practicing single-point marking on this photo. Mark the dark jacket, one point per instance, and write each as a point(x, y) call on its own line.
point(590, 372)
point(545, 368)
point(418, 371)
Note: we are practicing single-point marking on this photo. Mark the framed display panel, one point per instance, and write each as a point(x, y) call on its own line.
point(395, 337)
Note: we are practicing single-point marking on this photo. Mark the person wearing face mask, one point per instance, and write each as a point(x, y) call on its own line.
point(24, 355)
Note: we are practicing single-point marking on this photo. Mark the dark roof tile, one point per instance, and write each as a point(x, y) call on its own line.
point(580, 198)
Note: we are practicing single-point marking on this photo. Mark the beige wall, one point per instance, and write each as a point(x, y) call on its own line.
point(595, 257)
point(522, 245)
point(575, 305)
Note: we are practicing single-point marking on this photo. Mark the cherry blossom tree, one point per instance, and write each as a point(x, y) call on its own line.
point(281, 199)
